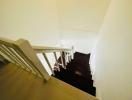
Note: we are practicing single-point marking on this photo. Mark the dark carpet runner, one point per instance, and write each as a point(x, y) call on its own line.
point(78, 73)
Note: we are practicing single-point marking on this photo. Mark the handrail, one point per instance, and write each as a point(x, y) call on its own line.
point(49, 49)
point(21, 53)
point(64, 59)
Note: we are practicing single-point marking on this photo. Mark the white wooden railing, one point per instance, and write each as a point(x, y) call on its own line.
point(34, 58)
point(64, 54)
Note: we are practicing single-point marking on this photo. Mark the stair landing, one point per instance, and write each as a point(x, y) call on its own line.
point(18, 84)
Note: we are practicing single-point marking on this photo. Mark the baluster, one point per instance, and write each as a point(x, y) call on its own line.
point(7, 54)
point(67, 61)
point(68, 57)
point(62, 62)
point(65, 58)
point(27, 61)
point(46, 58)
point(7, 49)
point(72, 52)
point(57, 64)
point(21, 60)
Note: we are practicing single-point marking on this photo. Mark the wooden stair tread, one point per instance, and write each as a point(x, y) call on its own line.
point(18, 84)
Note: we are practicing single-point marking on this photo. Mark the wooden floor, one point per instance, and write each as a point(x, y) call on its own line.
point(18, 84)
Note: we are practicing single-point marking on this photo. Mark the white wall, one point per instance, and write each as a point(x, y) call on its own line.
point(80, 21)
point(112, 56)
point(81, 41)
point(35, 20)
point(44, 22)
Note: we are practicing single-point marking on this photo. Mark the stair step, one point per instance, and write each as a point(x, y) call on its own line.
point(78, 73)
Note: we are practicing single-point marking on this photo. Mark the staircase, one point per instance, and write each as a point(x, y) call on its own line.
point(78, 73)
point(24, 76)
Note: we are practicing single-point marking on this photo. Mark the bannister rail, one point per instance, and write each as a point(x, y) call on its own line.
point(45, 49)
point(65, 56)
point(21, 53)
